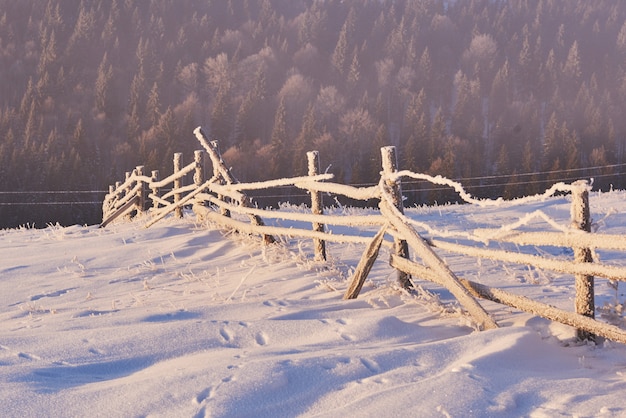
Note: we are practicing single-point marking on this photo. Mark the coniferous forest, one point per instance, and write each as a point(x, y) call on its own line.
point(507, 96)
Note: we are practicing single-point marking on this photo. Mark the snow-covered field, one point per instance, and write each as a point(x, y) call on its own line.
point(183, 320)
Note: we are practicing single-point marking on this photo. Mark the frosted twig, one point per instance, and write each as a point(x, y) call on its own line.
point(525, 220)
point(243, 279)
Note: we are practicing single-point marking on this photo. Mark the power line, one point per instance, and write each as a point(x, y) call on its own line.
point(52, 192)
point(49, 203)
point(464, 181)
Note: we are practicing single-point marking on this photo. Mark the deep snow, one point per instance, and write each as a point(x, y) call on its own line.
point(184, 320)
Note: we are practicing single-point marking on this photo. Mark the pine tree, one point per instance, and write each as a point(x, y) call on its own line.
point(416, 133)
point(437, 136)
point(571, 72)
point(153, 106)
point(552, 144)
point(354, 72)
point(339, 57)
point(221, 117)
point(304, 142)
point(102, 87)
point(277, 163)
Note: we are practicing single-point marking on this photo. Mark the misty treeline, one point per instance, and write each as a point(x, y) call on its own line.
point(508, 95)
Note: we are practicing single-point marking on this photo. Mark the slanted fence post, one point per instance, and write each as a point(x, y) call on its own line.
point(317, 206)
point(390, 166)
point(155, 190)
point(178, 183)
point(581, 220)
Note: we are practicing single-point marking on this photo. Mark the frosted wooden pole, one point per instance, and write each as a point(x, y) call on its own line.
point(424, 251)
point(118, 192)
point(155, 190)
point(127, 190)
point(216, 172)
point(178, 183)
point(390, 165)
point(128, 186)
point(316, 205)
point(365, 265)
point(520, 302)
point(581, 220)
point(224, 172)
point(106, 204)
point(198, 176)
point(143, 191)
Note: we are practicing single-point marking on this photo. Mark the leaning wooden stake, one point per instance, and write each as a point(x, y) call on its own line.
point(581, 220)
point(431, 259)
point(220, 168)
point(122, 210)
point(316, 205)
point(522, 303)
point(390, 166)
point(365, 265)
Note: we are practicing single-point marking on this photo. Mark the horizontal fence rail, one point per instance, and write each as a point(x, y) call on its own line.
point(222, 200)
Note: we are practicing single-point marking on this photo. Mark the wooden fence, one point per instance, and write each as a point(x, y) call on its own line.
point(220, 199)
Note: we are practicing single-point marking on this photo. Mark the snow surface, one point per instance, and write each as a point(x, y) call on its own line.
point(184, 320)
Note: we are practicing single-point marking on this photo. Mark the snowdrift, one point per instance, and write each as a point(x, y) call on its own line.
point(185, 320)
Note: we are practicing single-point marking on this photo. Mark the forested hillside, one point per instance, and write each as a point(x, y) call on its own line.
point(508, 95)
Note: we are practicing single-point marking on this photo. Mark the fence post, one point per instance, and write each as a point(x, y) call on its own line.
point(581, 220)
point(178, 183)
point(155, 190)
point(106, 203)
point(198, 177)
point(143, 190)
point(216, 172)
point(317, 206)
point(390, 166)
point(127, 190)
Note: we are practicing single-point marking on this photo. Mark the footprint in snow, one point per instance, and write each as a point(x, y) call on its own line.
point(28, 356)
point(226, 334)
point(371, 365)
point(203, 396)
point(261, 339)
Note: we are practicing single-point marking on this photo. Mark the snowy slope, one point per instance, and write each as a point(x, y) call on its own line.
point(182, 320)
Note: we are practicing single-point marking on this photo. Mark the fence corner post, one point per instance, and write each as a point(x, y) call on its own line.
point(581, 220)
point(316, 205)
point(178, 183)
point(390, 166)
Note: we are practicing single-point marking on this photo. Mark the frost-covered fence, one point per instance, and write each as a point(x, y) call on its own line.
point(130, 197)
point(222, 200)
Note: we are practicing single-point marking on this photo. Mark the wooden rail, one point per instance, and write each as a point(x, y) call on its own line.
point(222, 200)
